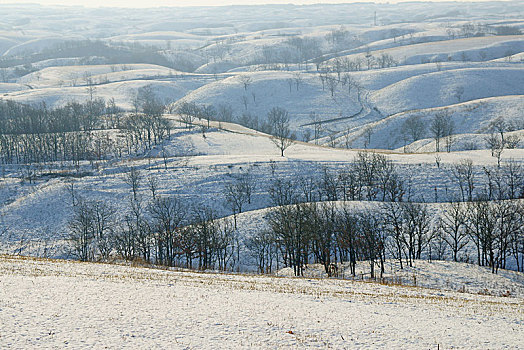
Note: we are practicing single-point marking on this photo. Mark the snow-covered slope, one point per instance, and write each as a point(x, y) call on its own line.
point(449, 87)
point(298, 93)
point(123, 92)
point(47, 304)
point(472, 117)
point(37, 45)
point(460, 49)
point(79, 75)
point(436, 274)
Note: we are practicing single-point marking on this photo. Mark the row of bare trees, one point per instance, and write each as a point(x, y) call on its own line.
point(370, 176)
point(374, 177)
point(38, 134)
point(79, 131)
point(163, 231)
point(302, 233)
point(17, 118)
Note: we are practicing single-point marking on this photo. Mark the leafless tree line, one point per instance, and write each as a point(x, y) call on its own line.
point(305, 225)
point(164, 230)
point(79, 131)
point(489, 232)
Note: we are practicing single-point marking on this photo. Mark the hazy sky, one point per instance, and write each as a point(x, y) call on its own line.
point(154, 3)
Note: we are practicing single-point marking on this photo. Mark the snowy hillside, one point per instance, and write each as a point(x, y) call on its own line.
point(338, 70)
point(197, 168)
point(448, 87)
point(184, 164)
point(97, 305)
point(465, 49)
point(94, 74)
point(123, 92)
point(472, 121)
point(299, 93)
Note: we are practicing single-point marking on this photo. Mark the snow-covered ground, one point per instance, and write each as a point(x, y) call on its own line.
point(60, 304)
point(438, 49)
point(248, 59)
point(198, 168)
point(436, 274)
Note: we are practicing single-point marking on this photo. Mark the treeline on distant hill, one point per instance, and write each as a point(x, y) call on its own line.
point(311, 220)
point(168, 231)
point(111, 53)
point(79, 131)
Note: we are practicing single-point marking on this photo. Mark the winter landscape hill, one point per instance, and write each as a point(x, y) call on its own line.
point(375, 150)
point(157, 308)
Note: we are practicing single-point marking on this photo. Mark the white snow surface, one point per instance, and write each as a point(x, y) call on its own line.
point(436, 274)
point(61, 304)
point(198, 168)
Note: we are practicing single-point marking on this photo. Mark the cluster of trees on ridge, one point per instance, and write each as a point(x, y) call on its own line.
point(300, 230)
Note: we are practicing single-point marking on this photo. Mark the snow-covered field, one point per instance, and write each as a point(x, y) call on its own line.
point(61, 304)
point(437, 49)
point(437, 274)
point(35, 215)
point(352, 77)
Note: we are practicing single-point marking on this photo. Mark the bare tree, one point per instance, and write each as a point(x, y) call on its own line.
point(393, 213)
point(290, 83)
point(414, 128)
point(291, 227)
point(417, 233)
point(188, 111)
point(465, 177)
point(282, 193)
point(225, 113)
point(349, 82)
point(511, 141)
point(441, 126)
point(153, 184)
point(225, 245)
point(496, 146)
point(373, 239)
point(332, 83)
point(133, 178)
point(368, 132)
point(458, 92)
point(297, 77)
point(279, 121)
point(236, 198)
point(482, 228)
point(323, 220)
point(246, 80)
point(103, 225)
point(317, 126)
point(81, 233)
point(205, 228)
point(90, 85)
point(347, 237)
point(454, 227)
point(262, 247)
point(208, 112)
point(247, 184)
point(168, 214)
point(514, 175)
